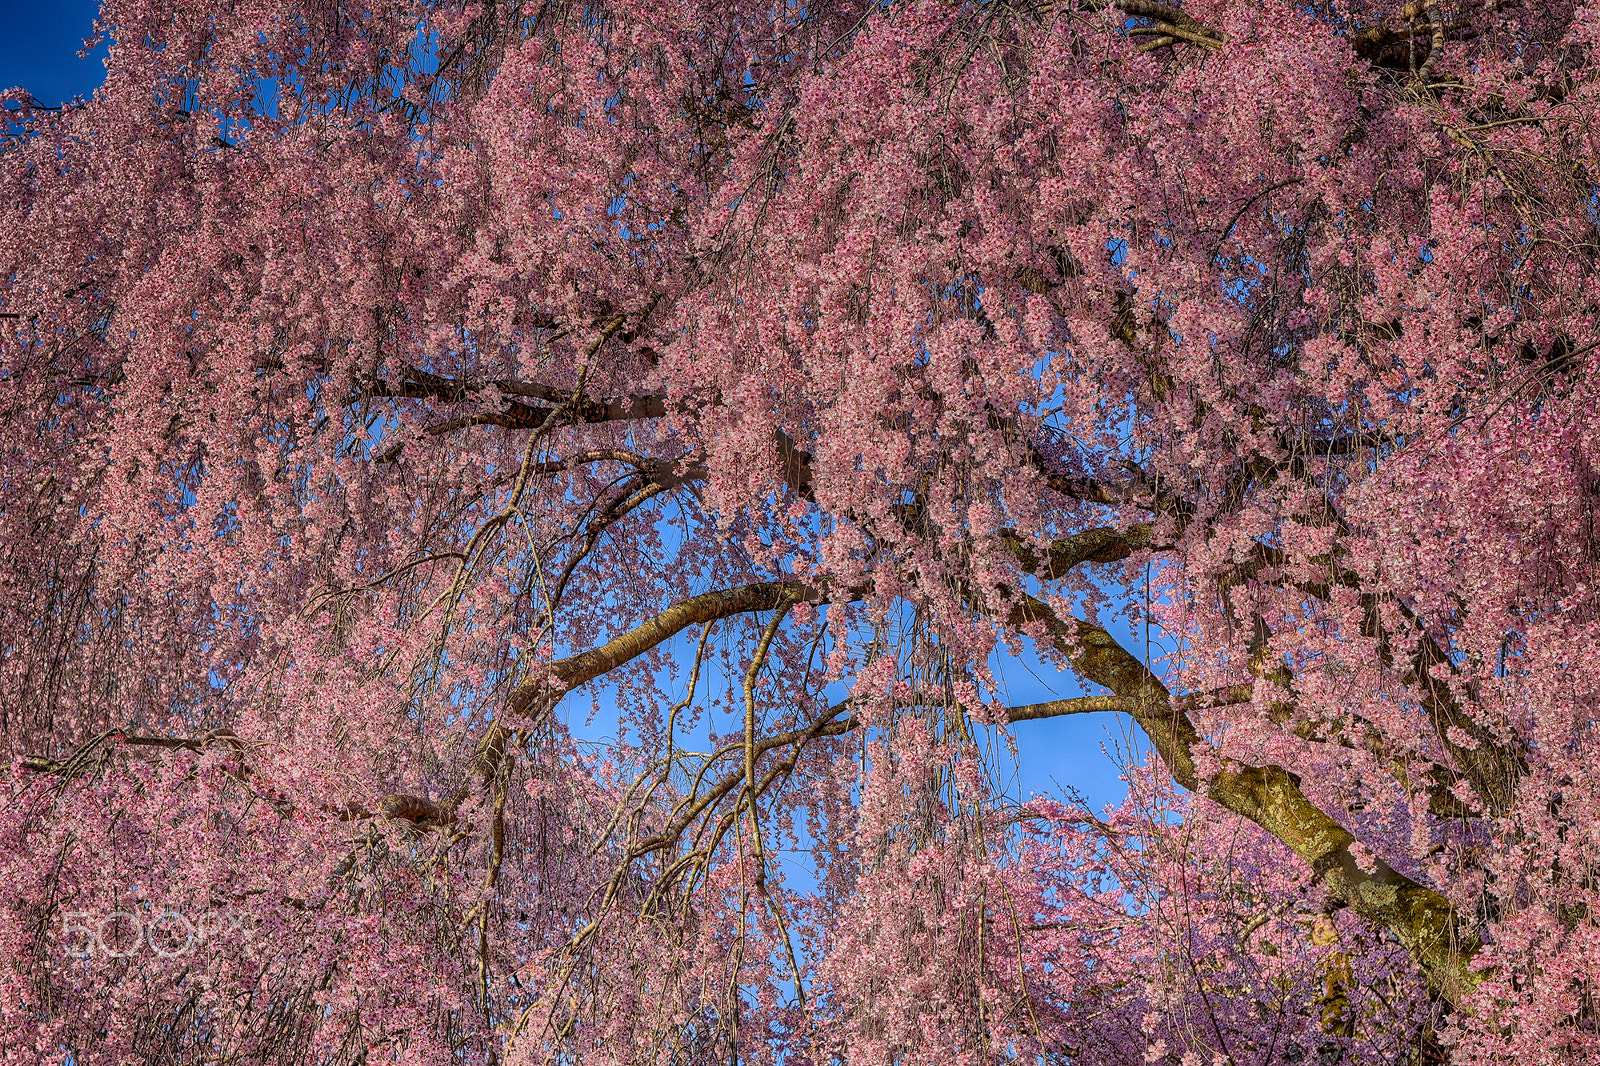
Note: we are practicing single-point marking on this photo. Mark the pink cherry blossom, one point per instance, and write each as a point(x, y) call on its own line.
point(387, 386)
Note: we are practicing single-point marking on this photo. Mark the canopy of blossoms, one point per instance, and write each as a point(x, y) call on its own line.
point(386, 383)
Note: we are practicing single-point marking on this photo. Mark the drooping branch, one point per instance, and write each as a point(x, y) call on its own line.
point(835, 721)
point(631, 497)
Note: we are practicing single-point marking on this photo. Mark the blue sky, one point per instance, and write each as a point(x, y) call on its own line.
point(39, 52)
point(39, 48)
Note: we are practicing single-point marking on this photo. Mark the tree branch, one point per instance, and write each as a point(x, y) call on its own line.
point(575, 670)
point(1173, 22)
point(1101, 544)
point(1270, 796)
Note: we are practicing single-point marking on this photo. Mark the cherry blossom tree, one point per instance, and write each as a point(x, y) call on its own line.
point(380, 379)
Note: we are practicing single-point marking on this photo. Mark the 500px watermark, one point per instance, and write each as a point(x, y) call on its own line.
point(122, 934)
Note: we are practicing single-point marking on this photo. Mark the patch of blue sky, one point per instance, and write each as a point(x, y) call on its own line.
point(39, 49)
